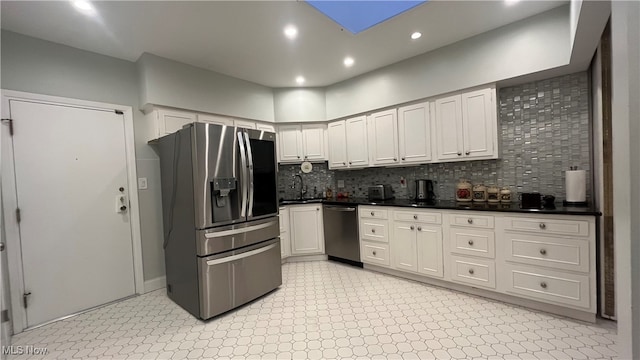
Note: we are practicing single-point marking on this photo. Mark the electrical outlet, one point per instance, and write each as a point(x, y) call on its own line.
point(340, 184)
point(142, 183)
point(403, 182)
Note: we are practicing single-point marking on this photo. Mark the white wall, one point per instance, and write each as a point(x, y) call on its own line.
point(535, 44)
point(625, 40)
point(299, 104)
point(42, 67)
point(171, 83)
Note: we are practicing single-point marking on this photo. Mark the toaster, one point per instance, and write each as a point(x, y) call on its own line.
point(380, 192)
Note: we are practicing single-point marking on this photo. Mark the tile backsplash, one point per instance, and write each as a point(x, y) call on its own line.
point(544, 128)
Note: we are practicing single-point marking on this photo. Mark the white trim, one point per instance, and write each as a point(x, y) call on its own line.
point(14, 255)
point(155, 284)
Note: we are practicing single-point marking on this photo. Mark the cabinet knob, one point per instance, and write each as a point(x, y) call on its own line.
point(411, 227)
point(543, 285)
point(467, 153)
point(415, 217)
point(374, 253)
point(350, 162)
point(317, 209)
point(470, 242)
point(403, 158)
point(344, 163)
point(459, 154)
point(298, 156)
point(373, 231)
point(543, 252)
point(372, 213)
point(470, 220)
point(395, 159)
point(306, 157)
point(471, 271)
point(543, 226)
point(419, 228)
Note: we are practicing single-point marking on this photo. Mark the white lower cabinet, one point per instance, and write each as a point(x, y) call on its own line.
point(285, 242)
point(473, 271)
point(307, 232)
point(429, 249)
point(404, 247)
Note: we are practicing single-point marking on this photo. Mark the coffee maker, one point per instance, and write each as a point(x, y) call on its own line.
point(424, 191)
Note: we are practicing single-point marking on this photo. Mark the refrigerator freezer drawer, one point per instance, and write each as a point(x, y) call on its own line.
point(225, 238)
point(232, 279)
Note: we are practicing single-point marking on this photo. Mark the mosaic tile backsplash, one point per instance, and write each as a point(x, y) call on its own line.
point(543, 130)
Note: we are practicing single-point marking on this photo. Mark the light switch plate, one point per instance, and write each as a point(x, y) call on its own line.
point(142, 183)
point(340, 184)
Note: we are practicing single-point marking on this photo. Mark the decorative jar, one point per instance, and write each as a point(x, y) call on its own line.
point(505, 195)
point(463, 190)
point(493, 194)
point(479, 193)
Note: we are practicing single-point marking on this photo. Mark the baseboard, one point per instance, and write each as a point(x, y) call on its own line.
point(302, 258)
point(155, 284)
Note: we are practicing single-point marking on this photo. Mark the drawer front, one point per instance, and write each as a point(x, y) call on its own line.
point(565, 254)
point(474, 272)
point(374, 230)
point(472, 220)
point(549, 285)
point(284, 220)
point(418, 216)
point(473, 242)
point(373, 212)
point(374, 253)
point(548, 226)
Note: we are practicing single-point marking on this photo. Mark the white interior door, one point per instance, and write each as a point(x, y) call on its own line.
point(72, 192)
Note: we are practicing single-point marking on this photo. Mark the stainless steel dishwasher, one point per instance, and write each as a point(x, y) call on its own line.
point(341, 240)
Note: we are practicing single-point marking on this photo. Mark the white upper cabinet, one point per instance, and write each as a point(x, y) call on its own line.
point(466, 126)
point(170, 121)
point(414, 133)
point(383, 137)
point(215, 119)
point(290, 143)
point(266, 127)
point(302, 143)
point(337, 139)
point(356, 136)
point(244, 124)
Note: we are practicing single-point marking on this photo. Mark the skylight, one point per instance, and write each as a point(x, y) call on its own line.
point(357, 16)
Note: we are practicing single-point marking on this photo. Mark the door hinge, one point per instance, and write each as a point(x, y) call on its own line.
point(10, 122)
point(18, 215)
point(25, 296)
point(119, 112)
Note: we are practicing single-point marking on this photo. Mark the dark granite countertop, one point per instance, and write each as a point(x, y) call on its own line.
point(453, 205)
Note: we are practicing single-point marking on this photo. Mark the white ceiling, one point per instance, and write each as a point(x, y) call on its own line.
point(244, 39)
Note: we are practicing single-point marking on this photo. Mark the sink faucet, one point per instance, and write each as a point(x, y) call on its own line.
point(302, 189)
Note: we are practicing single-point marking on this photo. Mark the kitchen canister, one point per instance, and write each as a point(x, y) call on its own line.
point(493, 194)
point(479, 193)
point(463, 190)
point(576, 187)
point(505, 195)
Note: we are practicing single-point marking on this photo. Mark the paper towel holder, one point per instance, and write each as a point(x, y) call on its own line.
point(566, 203)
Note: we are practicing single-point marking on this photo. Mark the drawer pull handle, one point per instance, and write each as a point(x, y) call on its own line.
point(373, 231)
point(344, 163)
point(372, 213)
point(403, 158)
point(543, 252)
point(470, 220)
point(471, 271)
point(419, 228)
point(543, 226)
point(543, 285)
point(415, 217)
point(459, 154)
point(411, 227)
point(470, 242)
point(395, 159)
point(374, 253)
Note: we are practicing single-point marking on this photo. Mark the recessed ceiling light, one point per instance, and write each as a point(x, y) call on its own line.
point(84, 7)
point(300, 80)
point(416, 35)
point(348, 61)
point(511, 2)
point(290, 32)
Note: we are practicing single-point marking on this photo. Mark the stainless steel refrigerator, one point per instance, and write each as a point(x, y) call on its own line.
point(220, 215)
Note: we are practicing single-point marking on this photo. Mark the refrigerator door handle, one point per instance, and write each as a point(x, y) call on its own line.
point(243, 162)
point(241, 255)
point(250, 209)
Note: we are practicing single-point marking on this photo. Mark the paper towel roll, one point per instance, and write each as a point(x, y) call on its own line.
point(576, 185)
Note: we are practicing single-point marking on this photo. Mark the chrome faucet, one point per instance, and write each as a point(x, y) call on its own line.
point(302, 189)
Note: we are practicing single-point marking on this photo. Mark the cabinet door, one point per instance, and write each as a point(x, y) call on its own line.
point(357, 150)
point(170, 121)
point(429, 249)
point(479, 124)
point(403, 246)
point(266, 127)
point(290, 139)
point(414, 125)
point(383, 137)
point(307, 233)
point(449, 128)
point(244, 124)
point(285, 245)
point(313, 142)
point(337, 145)
point(215, 119)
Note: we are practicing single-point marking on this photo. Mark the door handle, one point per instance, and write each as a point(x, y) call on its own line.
point(250, 158)
point(243, 163)
point(240, 256)
point(1, 246)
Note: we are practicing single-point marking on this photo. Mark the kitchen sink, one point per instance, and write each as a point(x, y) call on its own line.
point(301, 201)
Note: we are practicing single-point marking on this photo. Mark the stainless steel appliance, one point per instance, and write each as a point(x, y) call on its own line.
point(220, 212)
point(341, 240)
point(424, 191)
point(380, 192)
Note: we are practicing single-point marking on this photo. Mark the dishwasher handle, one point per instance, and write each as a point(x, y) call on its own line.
point(340, 208)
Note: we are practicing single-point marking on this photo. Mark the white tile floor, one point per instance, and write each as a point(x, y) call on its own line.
point(326, 310)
